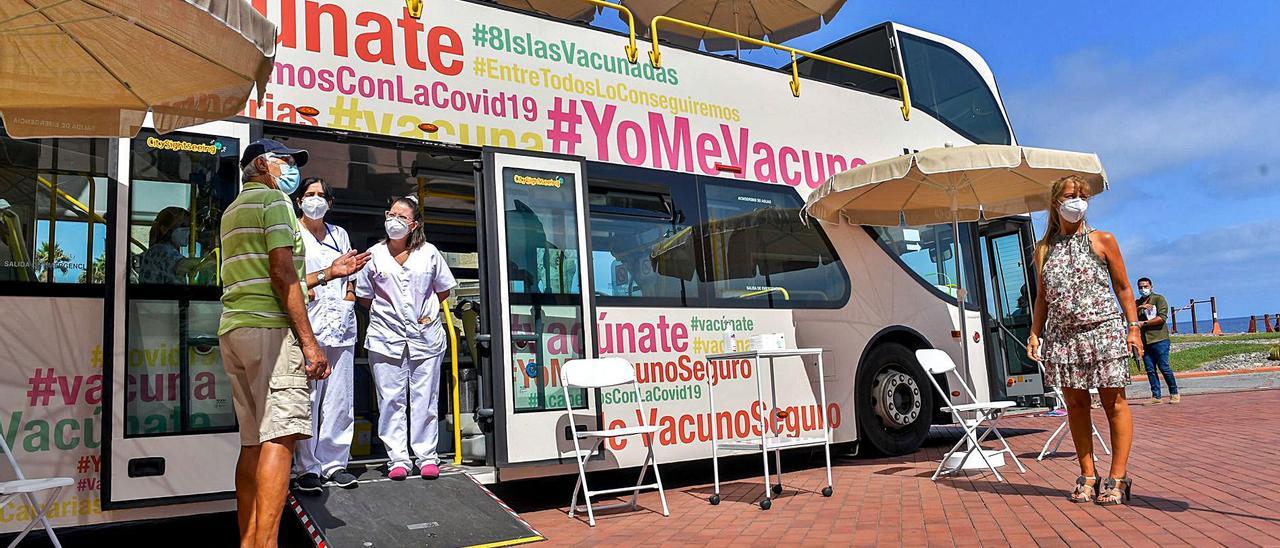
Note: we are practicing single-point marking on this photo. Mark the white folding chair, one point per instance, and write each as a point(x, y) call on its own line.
point(27, 489)
point(604, 373)
point(937, 362)
point(1060, 399)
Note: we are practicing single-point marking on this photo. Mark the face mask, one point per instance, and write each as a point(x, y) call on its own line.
point(396, 228)
point(1144, 291)
point(314, 207)
point(289, 179)
point(180, 236)
point(1073, 210)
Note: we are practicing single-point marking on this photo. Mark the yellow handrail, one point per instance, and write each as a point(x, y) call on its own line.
point(655, 57)
point(457, 406)
point(633, 52)
point(79, 205)
point(785, 295)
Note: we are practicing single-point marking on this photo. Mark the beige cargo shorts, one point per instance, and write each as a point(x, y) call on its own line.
point(268, 383)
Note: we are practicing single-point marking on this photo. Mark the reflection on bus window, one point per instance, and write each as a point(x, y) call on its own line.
point(630, 257)
point(179, 185)
point(945, 85)
point(542, 233)
point(759, 252)
point(53, 210)
point(929, 252)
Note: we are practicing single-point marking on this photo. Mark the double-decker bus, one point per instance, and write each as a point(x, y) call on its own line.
point(590, 205)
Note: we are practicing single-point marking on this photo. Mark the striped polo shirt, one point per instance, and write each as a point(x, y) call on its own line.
point(259, 220)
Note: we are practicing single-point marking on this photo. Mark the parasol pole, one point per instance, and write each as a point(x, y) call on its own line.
point(960, 297)
point(737, 45)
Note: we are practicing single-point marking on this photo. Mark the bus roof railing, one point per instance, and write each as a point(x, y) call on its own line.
point(633, 53)
point(655, 56)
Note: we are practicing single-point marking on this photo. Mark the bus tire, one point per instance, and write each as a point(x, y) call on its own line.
point(894, 400)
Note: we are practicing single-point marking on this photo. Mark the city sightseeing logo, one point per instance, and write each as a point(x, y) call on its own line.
point(212, 147)
point(530, 180)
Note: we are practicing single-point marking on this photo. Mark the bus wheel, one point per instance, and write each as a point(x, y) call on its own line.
point(894, 400)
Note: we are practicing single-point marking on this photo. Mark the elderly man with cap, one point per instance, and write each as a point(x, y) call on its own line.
point(267, 345)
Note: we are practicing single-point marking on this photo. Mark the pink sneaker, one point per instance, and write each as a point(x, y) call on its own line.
point(398, 473)
point(430, 471)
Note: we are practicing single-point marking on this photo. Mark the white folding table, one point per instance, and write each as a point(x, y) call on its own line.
point(767, 440)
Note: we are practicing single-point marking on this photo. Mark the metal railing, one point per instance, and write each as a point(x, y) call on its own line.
point(655, 56)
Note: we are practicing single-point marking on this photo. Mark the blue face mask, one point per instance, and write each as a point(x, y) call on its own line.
point(289, 179)
point(1144, 291)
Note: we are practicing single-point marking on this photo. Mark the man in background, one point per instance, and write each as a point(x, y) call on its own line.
point(1152, 311)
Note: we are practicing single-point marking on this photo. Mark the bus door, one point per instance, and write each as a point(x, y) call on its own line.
point(536, 270)
point(1008, 246)
point(171, 435)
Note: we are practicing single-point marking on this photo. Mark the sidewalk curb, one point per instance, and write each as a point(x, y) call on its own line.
point(1225, 372)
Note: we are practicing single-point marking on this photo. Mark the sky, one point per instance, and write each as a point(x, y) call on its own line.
point(1181, 103)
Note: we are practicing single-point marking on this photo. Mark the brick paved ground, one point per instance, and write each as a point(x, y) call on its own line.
point(1205, 472)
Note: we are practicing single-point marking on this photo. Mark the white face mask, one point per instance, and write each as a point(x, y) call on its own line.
point(1072, 211)
point(314, 207)
point(396, 228)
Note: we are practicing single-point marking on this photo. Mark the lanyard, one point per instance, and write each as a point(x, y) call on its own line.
point(328, 234)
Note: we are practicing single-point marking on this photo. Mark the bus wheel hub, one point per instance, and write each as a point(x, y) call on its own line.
point(896, 399)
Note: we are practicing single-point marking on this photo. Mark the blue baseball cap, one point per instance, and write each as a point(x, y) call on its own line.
point(263, 146)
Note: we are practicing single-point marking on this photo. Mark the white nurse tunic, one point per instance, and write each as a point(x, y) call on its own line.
point(406, 342)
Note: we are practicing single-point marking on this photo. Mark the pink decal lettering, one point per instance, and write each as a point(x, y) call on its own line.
point(792, 178)
point(737, 151)
point(601, 124)
point(674, 147)
point(766, 170)
point(632, 156)
point(708, 150)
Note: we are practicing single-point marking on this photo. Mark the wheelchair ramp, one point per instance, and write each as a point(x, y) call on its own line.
point(455, 510)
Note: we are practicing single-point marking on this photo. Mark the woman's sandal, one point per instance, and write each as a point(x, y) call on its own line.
point(1085, 491)
point(1115, 491)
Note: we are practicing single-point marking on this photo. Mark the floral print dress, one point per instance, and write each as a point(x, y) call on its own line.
point(1084, 342)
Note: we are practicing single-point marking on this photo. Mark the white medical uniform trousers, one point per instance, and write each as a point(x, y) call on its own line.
point(403, 382)
point(332, 416)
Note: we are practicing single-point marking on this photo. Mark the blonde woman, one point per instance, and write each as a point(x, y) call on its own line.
point(1084, 336)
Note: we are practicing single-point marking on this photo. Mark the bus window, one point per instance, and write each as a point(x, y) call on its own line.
point(929, 253)
point(53, 211)
point(630, 232)
point(945, 85)
point(870, 48)
point(179, 186)
point(760, 254)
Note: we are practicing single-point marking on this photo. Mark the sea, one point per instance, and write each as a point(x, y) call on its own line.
point(1229, 325)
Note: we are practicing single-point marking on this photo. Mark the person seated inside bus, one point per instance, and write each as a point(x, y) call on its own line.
point(163, 261)
point(404, 286)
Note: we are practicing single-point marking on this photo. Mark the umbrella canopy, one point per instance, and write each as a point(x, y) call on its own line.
point(778, 20)
point(951, 184)
point(764, 241)
point(94, 68)
point(571, 10)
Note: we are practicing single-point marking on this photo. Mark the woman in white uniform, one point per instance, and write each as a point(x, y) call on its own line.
point(331, 308)
point(403, 286)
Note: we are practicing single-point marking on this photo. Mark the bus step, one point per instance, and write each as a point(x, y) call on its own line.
point(454, 510)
